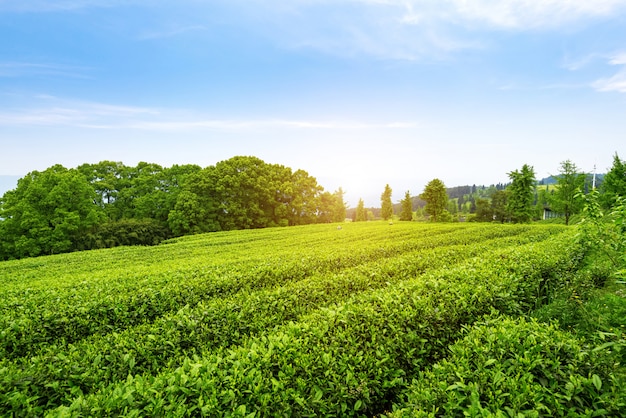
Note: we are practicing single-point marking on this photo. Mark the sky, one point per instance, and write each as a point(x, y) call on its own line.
point(358, 93)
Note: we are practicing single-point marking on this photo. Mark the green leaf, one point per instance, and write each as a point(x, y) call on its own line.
point(358, 405)
point(490, 362)
point(596, 381)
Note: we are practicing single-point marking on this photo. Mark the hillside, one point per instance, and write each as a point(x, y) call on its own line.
point(309, 320)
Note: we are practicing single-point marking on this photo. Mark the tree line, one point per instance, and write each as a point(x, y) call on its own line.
point(109, 204)
point(523, 199)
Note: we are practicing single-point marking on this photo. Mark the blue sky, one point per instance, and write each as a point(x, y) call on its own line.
point(359, 93)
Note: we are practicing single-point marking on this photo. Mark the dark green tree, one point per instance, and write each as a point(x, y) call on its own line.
point(436, 199)
point(614, 183)
point(407, 208)
point(197, 206)
point(567, 198)
point(386, 206)
point(360, 214)
point(484, 211)
point(108, 178)
point(499, 206)
point(521, 193)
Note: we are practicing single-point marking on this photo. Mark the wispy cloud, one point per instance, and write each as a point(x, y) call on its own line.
point(259, 124)
point(22, 69)
point(386, 29)
point(531, 14)
point(617, 82)
point(415, 29)
point(52, 111)
point(173, 30)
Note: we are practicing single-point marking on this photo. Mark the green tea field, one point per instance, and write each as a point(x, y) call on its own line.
point(366, 319)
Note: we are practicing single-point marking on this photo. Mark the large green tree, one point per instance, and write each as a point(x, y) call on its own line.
point(406, 214)
point(386, 206)
point(49, 212)
point(566, 198)
point(436, 199)
point(245, 192)
point(521, 193)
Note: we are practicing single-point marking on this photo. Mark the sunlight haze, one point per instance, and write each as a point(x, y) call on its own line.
point(357, 93)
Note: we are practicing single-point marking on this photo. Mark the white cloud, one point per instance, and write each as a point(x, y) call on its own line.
point(532, 14)
point(413, 29)
point(617, 82)
point(52, 111)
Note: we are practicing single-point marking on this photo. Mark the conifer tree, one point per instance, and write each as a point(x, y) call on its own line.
point(521, 193)
point(361, 214)
point(407, 208)
point(386, 208)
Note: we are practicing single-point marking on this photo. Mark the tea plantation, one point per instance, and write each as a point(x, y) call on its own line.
point(369, 319)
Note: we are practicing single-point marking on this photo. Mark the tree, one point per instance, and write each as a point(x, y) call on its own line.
point(303, 201)
point(567, 199)
point(521, 194)
point(614, 183)
point(197, 207)
point(484, 211)
point(436, 199)
point(339, 209)
point(386, 207)
point(360, 214)
point(49, 212)
point(407, 208)
point(499, 205)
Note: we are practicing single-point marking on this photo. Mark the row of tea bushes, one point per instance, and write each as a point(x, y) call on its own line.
point(57, 373)
point(349, 360)
point(31, 319)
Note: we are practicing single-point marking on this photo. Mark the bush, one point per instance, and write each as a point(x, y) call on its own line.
point(513, 368)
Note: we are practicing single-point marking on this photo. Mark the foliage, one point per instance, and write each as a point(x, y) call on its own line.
point(605, 235)
point(331, 207)
point(407, 208)
point(567, 199)
point(436, 199)
point(520, 194)
point(484, 211)
point(47, 213)
point(318, 320)
point(614, 183)
point(360, 214)
point(386, 207)
point(131, 231)
point(508, 367)
point(108, 204)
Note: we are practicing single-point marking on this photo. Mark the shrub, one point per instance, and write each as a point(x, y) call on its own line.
point(513, 368)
